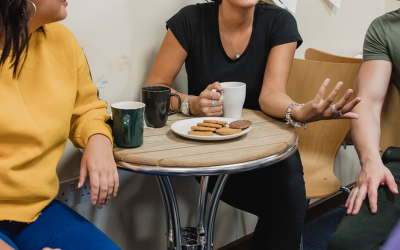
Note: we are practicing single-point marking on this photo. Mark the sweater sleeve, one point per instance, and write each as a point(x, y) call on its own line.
point(89, 113)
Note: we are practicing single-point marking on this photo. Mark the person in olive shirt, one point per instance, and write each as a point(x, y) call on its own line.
point(371, 219)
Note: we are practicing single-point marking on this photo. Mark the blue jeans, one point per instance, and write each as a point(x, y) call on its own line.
point(57, 227)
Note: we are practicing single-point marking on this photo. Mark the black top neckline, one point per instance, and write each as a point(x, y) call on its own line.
point(216, 21)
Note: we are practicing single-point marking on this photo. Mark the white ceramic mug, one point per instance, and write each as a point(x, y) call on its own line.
point(233, 97)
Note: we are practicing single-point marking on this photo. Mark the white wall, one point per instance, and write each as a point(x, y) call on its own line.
point(121, 39)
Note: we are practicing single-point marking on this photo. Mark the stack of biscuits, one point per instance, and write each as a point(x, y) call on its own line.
point(209, 127)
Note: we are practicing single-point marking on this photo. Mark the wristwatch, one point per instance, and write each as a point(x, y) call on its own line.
point(185, 106)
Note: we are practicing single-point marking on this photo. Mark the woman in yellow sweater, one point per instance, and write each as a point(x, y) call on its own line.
point(46, 96)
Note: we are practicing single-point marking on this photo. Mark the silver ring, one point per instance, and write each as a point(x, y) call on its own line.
point(340, 113)
point(333, 109)
point(213, 90)
point(214, 103)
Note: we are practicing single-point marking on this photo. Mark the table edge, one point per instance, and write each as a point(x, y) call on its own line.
point(212, 170)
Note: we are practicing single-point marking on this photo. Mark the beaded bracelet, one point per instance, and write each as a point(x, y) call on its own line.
point(289, 118)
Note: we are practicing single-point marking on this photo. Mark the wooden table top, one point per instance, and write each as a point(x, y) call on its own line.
point(163, 148)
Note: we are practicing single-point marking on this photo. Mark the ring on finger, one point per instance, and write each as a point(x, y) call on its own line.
point(333, 109)
point(340, 113)
point(214, 103)
point(213, 90)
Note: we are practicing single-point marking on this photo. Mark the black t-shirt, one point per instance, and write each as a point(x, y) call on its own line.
point(197, 30)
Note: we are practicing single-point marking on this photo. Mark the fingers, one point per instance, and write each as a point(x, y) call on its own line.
point(358, 199)
point(207, 94)
point(342, 102)
point(321, 90)
point(82, 174)
point(349, 107)
point(216, 86)
point(208, 103)
point(329, 100)
point(94, 187)
point(116, 183)
point(215, 114)
point(110, 190)
point(391, 183)
point(351, 199)
point(373, 198)
point(103, 191)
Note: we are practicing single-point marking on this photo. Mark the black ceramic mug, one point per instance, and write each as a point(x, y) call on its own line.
point(157, 100)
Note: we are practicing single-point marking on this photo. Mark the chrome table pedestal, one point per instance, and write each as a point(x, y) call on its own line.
point(202, 236)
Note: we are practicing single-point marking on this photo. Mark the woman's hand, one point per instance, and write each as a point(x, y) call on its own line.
point(202, 104)
point(319, 109)
point(368, 181)
point(98, 160)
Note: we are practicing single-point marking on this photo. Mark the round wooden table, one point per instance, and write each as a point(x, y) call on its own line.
point(165, 153)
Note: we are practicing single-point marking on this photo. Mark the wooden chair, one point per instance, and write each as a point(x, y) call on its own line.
point(318, 145)
point(390, 121)
point(391, 107)
point(318, 55)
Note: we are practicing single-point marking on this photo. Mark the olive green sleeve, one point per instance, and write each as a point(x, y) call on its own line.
point(375, 43)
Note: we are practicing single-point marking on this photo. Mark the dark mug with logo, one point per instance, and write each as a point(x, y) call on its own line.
point(128, 124)
point(157, 100)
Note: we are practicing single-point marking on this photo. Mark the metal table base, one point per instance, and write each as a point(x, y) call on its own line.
point(191, 238)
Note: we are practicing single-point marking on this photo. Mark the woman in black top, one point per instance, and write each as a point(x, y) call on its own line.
point(254, 43)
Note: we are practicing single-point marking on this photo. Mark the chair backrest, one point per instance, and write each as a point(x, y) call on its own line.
point(390, 121)
point(318, 55)
point(318, 145)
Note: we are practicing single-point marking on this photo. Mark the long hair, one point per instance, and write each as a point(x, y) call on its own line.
point(14, 17)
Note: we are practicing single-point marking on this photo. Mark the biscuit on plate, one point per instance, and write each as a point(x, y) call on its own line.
point(228, 131)
point(200, 133)
point(197, 128)
point(240, 124)
point(216, 122)
point(212, 125)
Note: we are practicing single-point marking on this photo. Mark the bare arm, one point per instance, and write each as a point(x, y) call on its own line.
point(5, 246)
point(373, 81)
point(166, 67)
point(274, 100)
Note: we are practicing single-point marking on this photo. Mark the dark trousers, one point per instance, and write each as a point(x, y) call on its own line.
point(57, 227)
point(276, 194)
point(367, 231)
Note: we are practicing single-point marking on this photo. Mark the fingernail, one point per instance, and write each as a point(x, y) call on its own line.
point(94, 202)
point(101, 206)
point(79, 185)
point(115, 195)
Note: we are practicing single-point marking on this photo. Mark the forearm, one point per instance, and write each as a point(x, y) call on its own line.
point(366, 133)
point(275, 104)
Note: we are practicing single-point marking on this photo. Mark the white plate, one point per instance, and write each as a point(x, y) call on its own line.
point(184, 126)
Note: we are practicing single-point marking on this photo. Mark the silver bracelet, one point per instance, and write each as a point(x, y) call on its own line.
point(289, 118)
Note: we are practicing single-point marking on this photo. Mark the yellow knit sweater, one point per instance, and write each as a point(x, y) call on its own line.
point(52, 99)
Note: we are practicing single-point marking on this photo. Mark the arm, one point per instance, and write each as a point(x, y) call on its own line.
point(273, 98)
point(166, 67)
point(5, 246)
point(373, 81)
point(89, 131)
